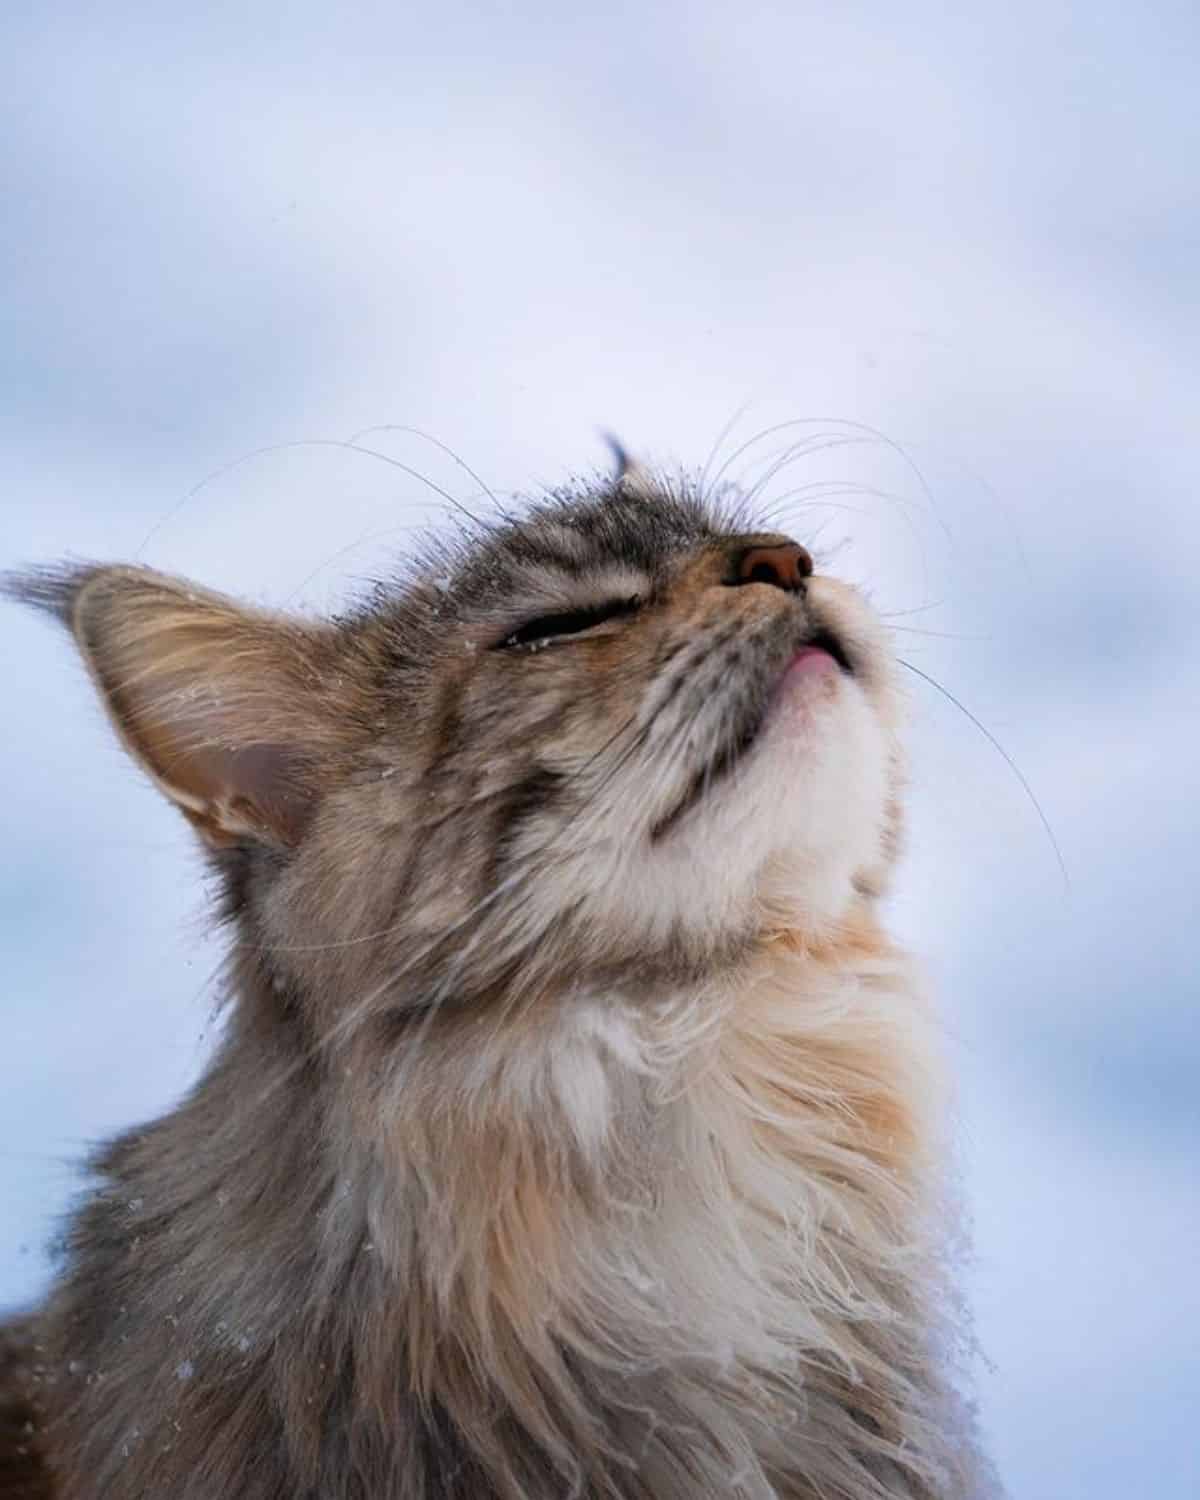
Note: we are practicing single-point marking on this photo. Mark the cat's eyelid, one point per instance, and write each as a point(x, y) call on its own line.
point(546, 587)
point(553, 593)
point(570, 622)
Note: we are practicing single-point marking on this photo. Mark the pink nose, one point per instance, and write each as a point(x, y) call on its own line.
point(784, 565)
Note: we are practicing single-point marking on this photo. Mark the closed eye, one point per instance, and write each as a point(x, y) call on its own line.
point(568, 622)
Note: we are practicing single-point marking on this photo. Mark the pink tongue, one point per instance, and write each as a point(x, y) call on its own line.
point(810, 659)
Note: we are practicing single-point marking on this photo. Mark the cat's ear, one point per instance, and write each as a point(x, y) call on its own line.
point(222, 705)
point(630, 475)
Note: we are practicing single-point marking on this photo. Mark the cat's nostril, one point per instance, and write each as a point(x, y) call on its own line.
point(783, 565)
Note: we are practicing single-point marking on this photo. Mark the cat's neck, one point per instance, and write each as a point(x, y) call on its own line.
point(692, 1228)
point(720, 1188)
point(807, 1065)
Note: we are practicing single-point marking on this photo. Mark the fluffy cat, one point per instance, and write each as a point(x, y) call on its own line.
point(576, 1127)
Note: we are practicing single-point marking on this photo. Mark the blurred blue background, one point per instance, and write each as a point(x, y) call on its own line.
point(976, 231)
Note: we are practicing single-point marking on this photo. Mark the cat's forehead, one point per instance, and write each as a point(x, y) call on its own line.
point(568, 548)
point(580, 532)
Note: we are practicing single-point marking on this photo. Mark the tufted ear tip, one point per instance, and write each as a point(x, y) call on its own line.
point(52, 590)
point(630, 475)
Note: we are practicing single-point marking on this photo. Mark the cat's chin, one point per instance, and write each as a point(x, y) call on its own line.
point(789, 827)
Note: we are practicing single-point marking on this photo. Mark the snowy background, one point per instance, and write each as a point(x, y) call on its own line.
point(976, 231)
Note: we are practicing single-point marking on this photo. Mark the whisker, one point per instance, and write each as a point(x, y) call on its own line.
point(917, 609)
point(364, 540)
point(751, 443)
point(857, 510)
point(872, 434)
point(783, 458)
point(716, 447)
point(1003, 753)
point(945, 635)
point(1006, 509)
point(437, 443)
point(837, 489)
point(297, 443)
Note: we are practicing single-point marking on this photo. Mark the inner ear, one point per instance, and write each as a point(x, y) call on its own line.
point(227, 708)
point(257, 791)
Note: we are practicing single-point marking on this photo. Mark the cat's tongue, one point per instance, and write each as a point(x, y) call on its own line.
point(810, 661)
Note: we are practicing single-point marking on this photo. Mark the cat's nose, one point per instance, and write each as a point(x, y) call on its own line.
point(784, 565)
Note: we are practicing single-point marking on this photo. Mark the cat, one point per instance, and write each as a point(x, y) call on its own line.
point(576, 1129)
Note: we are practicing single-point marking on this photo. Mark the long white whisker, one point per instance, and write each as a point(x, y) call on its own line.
point(270, 448)
point(871, 433)
point(1005, 756)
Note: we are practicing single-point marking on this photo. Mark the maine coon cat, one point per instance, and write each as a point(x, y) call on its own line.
point(576, 1128)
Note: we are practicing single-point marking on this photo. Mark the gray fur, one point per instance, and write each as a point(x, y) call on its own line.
point(543, 1155)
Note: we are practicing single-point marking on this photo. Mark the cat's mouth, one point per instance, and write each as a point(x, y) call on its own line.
point(821, 652)
point(827, 641)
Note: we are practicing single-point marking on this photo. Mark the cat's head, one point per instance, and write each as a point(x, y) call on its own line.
point(624, 732)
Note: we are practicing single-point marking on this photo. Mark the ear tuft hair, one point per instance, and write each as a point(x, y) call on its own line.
point(630, 475)
point(49, 589)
